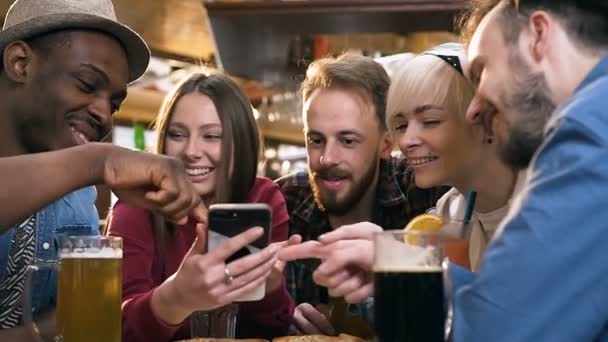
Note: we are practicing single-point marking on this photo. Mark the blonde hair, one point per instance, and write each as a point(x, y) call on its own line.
point(427, 79)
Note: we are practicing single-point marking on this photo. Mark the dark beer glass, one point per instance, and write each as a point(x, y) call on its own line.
point(408, 281)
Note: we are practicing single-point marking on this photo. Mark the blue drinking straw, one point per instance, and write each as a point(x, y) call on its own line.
point(468, 212)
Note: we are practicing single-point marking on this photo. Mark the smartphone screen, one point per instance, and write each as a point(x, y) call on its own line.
point(229, 220)
point(232, 219)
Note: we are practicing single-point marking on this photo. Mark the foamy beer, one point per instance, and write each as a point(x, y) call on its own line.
point(409, 295)
point(89, 289)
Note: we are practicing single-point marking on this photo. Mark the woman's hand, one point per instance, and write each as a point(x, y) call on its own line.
point(205, 282)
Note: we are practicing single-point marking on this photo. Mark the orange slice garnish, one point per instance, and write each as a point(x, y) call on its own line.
point(424, 223)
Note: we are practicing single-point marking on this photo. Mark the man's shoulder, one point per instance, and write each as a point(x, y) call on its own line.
point(294, 182)
point(398, 163)
point(297, 192)
point(399, 169)
point(74, 213)
point(588, 107)
point(79, 205)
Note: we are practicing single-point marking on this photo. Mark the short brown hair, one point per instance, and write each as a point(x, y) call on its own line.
point(586, 22)
point(351, 72)
point(470, 19)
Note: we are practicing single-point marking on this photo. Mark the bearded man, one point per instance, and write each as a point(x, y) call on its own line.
point(351, 175)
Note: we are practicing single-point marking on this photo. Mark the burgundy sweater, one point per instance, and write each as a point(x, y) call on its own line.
point(143, 271)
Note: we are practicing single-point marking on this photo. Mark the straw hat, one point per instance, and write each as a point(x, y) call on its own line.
point(28, 18)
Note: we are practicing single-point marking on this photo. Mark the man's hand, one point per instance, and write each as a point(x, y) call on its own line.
point(297, 250)
point(275, 280)
point(154, 182)
point(361, 230)
point(307, 320)
point(346, 255)
point(346, 269)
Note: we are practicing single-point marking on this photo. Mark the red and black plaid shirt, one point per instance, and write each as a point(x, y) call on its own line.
point(397, 201)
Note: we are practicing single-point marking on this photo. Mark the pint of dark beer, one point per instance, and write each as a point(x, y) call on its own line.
point(409, 296)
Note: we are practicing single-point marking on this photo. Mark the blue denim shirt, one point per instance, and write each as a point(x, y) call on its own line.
point(74, 214)
point(546, 277)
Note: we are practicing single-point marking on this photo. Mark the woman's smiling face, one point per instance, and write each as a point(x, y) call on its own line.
point(195, 136)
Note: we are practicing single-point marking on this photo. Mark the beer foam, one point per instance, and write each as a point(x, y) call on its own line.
point(91, 253)
point(409, 269)
point(397, 256)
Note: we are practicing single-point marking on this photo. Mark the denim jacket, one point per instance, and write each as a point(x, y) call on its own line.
point(74, 214)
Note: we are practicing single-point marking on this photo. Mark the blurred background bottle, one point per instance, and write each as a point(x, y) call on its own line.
point(139, 133)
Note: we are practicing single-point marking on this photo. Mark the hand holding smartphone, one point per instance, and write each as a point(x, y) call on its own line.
point(229, 220)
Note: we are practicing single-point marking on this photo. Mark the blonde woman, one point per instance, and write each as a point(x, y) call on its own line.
point(426, 109)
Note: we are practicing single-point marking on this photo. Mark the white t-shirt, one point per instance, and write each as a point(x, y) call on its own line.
point(483, 225)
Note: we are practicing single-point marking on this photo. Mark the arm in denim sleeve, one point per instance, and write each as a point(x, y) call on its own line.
point(545, 277)
point(47, 174)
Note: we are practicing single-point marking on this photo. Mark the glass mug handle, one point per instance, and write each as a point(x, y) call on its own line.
point(447, 284)
point(27, 317)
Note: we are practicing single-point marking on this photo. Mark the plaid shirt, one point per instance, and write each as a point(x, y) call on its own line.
point(397, 201)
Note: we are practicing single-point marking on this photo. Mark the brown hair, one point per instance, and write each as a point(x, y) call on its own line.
point(470, 19)
point(351, 72)
point(240, 137)
point(585, 21)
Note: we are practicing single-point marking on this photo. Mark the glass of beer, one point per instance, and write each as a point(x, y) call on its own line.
point(217, 323)
point(408, 283)
point(89, 289)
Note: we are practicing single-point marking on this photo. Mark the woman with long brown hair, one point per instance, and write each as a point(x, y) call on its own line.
point(208, 123)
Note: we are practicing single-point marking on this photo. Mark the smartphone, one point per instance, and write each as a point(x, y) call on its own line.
point(230, 219)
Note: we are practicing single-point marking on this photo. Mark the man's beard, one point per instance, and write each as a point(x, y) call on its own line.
point(531, 107)
point(328, 200)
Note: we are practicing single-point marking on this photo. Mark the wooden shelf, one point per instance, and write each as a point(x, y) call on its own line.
point(252, 37)
point(280, 7)
point(142, 106)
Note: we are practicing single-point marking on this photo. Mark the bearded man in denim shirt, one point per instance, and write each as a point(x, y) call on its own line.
point(545, 277)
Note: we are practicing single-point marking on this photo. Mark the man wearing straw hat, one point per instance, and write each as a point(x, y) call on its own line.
point(64, 71)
